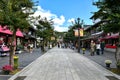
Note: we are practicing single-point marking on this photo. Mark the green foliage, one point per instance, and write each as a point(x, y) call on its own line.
point(45, 29)
point(70, 34)
point(111, 27)
point(13, 13)
point(109, 10)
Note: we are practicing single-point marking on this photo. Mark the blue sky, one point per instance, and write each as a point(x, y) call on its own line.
point(65, 11)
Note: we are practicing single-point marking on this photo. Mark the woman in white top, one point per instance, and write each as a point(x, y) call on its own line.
point(98, 48)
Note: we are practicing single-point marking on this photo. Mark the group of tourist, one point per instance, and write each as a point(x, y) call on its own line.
point(65, 45)
point(97, 47)
point(61, 45)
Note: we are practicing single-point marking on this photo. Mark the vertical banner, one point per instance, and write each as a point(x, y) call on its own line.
point(76, 32)
point(52, 38)
point(80, 31)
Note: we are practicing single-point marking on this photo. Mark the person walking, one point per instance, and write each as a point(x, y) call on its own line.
point(58, 45)
point(63, 45)
point(30, 47)
point(102, 46)
point(92, 47)
point(98, 48)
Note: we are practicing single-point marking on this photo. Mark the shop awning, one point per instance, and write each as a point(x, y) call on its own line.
point(112, 36)
point(97, 34)
point(4, 30)
point(19, 33)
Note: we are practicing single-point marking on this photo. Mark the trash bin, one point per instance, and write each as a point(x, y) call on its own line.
point(16, 64)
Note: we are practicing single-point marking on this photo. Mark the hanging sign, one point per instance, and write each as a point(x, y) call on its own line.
point(52, 38)
point(80, 32)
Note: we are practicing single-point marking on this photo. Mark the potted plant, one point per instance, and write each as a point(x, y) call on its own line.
point(7, 69)
point(83, 49)
point(108, 62)
point(16, 63)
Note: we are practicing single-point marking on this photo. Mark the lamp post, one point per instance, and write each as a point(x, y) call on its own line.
point(79, 26)
point(78, 31)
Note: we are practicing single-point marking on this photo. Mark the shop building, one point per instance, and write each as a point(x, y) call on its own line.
point(96, 33)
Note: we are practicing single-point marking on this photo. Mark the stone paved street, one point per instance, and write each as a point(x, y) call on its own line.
point(100, 59)
point(64, 64)
point(26, 58)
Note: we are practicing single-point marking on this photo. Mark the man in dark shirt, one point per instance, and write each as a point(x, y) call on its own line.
point(102, 45)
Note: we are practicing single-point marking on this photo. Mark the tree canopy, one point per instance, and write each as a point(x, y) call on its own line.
point(109, 10)
point(14, 13)
point(45, 28)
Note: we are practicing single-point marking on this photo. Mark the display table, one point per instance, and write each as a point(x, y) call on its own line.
point(4, 50)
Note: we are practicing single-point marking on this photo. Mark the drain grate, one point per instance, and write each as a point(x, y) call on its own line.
point(112, 78)
point(20, 78)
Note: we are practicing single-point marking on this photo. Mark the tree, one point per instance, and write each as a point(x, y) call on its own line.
point(109, 10)
point(70, 35)
point(45, 30)
point(14, 14)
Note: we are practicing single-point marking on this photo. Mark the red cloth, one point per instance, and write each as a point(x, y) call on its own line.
point(5, 48)
point(110, 46)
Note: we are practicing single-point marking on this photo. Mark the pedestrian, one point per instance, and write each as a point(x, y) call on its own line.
point(98, 48)
point(92, 47)
point(63, 45)
point(102, 46)
point(58, 45)
point(30, 47)
point(50, 46)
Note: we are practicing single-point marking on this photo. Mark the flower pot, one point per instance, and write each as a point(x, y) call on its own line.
point(108, 62)
point(16, 62)
point(83, 51)
point(7, 69)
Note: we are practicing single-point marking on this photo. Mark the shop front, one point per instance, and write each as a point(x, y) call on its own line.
point(111, 42)
point(5, 39)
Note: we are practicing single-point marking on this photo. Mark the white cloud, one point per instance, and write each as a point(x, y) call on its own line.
point(44, 13)
point(71, 20)
point(61, 29)
point(58, 21)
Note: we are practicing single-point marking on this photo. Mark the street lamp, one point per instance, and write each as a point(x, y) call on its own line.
point(79, 26)
point(78, 31)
